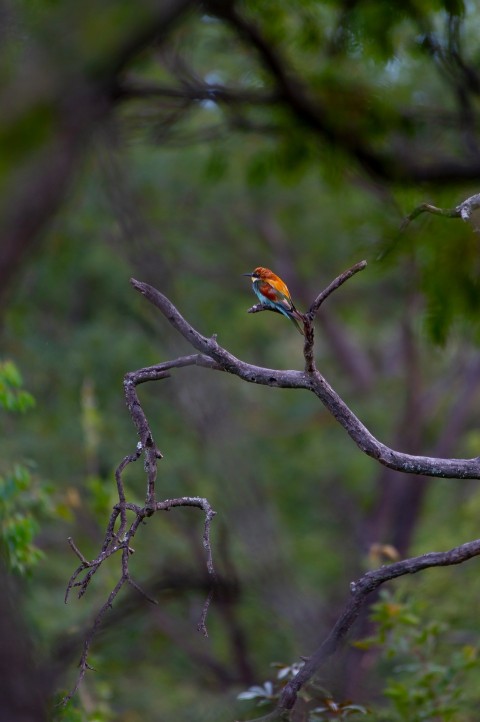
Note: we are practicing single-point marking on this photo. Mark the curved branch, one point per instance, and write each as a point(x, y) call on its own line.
point(313, 310)
point(336, 283)
point(215, 357)
point(360, 590)
point(211, 355)
point(464, 210)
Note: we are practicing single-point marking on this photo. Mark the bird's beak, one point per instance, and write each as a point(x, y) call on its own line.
point(247, 274)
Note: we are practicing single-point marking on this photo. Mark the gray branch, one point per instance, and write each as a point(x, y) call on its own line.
point(214, 356)
point(465, 210)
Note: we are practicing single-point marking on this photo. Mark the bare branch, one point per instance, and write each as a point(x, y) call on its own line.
point(312, 311)
point(308, 318)
point(111, 545)
point(352, 358)
point(83, 664)
point(464, 210)
point(213, 356)
point(336, 283)
point(120, 540)
point(360, 590)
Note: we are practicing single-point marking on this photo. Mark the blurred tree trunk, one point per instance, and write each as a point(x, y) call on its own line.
point(25, 683)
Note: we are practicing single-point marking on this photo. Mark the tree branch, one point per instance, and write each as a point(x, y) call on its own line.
point(360, 590)
point(120, 540)
point(464, 210)
point(213, 356)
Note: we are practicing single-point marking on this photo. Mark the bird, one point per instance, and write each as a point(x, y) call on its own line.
point(272, 292)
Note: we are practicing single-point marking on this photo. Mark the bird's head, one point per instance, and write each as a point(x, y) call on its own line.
point(259, 273)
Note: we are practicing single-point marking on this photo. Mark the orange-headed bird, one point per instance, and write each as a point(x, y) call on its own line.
point(273, 292)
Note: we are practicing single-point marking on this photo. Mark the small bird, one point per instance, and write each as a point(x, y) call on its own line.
point(273, 292)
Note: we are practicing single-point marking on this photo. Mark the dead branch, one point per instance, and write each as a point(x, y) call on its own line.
point(464, 210)
point(213, 356)
point(314, 308)
point(118, 540)
point(360, 590)
point(120, 531)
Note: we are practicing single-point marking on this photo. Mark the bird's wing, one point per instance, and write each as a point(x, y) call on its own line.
point(277, 291)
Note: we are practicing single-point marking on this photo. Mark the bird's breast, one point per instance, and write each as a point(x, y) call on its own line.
point(267, 290)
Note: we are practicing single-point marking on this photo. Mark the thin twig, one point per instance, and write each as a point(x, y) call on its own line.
point(77, 551)
point(313, 310)
point(336, 283)
point(120, 540)
point(83, 664)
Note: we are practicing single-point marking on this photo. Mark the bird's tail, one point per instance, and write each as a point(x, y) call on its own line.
point(297, 318)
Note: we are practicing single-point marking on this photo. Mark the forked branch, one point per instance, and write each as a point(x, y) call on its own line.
point(121, 530)
point(213, 356)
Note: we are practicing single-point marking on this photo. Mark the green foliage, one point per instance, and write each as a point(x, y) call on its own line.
point(12, 396)
point(429, 669)
point(187, 196)
point(23, 499)
point(75, 711)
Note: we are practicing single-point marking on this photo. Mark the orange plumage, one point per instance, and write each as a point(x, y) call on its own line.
point(273, 292)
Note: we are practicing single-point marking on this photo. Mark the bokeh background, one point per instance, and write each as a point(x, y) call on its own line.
point(184, 144)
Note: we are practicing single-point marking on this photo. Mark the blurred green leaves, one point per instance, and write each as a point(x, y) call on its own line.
point(187, 194)
point(429, 671)
point(13, 397)
point(21, 503)
point(23, 499)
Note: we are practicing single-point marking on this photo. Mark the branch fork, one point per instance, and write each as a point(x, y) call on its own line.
point(210, 355)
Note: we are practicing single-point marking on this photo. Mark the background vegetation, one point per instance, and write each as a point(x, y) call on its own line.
point(183, 144)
